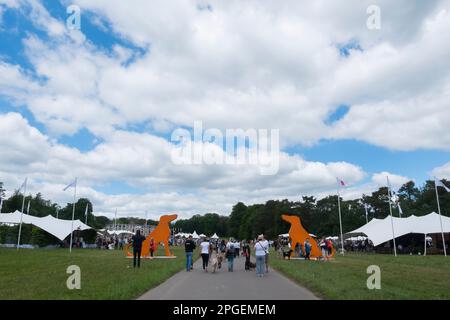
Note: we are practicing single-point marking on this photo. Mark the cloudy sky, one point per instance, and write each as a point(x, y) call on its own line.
point(101, 103)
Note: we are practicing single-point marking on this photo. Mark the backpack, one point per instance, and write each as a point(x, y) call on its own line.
point(230, 251)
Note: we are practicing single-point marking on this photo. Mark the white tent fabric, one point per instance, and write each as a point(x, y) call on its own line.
point(380, 230)
point(195, 235)
point(183, 235)
point(119, 232)
point(58, 227)
point(202, 235)
point(215, 236)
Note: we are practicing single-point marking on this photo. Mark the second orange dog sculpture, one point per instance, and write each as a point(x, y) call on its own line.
point(160, 234)
point(298, 235)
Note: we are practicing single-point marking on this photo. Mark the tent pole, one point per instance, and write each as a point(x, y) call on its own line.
point(73, 213)
point(425, 247)
point(340, 221)
point(21, 212)
point(392, 219)
point(440, 217)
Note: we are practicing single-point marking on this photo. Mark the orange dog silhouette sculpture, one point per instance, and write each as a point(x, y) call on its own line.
point(160, 234)
point(298, 235)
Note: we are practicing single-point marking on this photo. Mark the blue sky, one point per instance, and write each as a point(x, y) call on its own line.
point(103, 32)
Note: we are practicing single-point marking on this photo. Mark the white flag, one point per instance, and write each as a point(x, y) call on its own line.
point(400, 209)
point(28, 207)
point(86, 213)
point(72, 184)
point(1, 204)
point(366, 207)
point(439, 183)
point(389, 188)
point(23, 184)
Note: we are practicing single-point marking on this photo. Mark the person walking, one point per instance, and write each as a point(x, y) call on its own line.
point(329, 248)
point(261, 249)
point(324, 249)
point(152, 247)
point(266, 260)
point(246, 254)
point(137, 240)
point(189, 247)
point(307, 246)
point(205, 251)
point(230, 255)
point(237, 248)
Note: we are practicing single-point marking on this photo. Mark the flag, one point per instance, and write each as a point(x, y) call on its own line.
point(439, 183)
point(1, 204)
point(86, 212)
point(28, 207)
point(23, 184)
point(341, 183)
point(366, 207)
point(400, 209)
point(389, 187)
point(72, 184)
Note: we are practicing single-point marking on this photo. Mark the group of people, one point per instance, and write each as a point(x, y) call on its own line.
point(284, 250)
point(215, 253)
point(111, 243)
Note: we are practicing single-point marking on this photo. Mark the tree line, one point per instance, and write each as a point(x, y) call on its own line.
point(245, 221)
point(319, 217)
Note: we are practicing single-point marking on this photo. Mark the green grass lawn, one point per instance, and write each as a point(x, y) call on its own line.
point(402, 277)
point(105, 274)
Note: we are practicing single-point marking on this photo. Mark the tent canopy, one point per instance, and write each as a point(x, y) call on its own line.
point(215, 236)
point(195, 235)
point(119, 232)
point(58, 227)
point(380, 230)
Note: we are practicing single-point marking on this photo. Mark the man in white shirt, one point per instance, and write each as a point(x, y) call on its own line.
point(237, 248)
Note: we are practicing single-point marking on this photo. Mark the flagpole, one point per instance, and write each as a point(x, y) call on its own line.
point(115, 221)
point(340, 218)
point(440, 218)
point(425, 247)
point(21, 213)
point(73, 213)
point(392, 219)
point(367, 214)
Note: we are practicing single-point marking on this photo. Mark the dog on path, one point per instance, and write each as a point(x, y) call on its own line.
point(216, 260)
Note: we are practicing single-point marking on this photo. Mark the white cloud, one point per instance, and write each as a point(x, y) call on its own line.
point(143, 161)
point(396, 181)
point(442, 172)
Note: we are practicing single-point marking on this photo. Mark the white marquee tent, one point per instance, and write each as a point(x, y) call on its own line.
point(215, 236)
point(58, 227)
point(119, 232)
point(380, 230)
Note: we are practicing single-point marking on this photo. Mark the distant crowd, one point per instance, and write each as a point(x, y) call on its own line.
point(215, 253)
